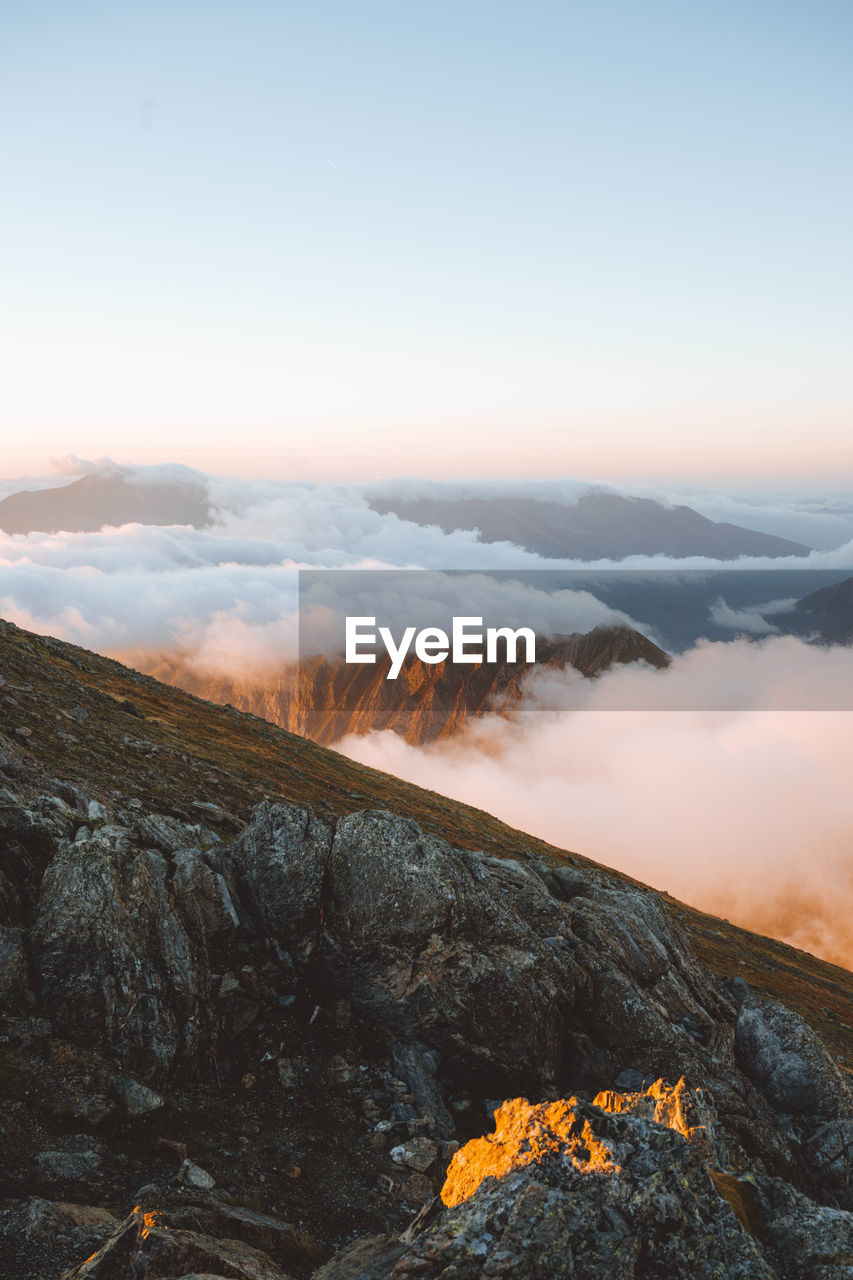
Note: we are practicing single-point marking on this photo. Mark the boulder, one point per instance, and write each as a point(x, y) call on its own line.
point(788, 1062)
point(146, 1245)
point(117, 965)
point(280, 859)
point(568, 1189)
point(205, 892)
point(136, 1099)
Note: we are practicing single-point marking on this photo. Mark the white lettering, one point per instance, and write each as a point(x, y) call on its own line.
point(460, 639)
point(432, 645)
point(511, 638)
point(354, 639)
point(396, 652)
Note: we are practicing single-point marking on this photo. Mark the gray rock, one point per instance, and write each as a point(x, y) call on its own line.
point(205, 891)
point(629, 1081)
point(371, 1258)
point(69, 1166)
point(70, 794)
point(418, 1153)
point(212, 812)
point(788, 1063)
point(280, 858)
point(193, 1176)
point(117, 964)
point(158, 831)
point(136, 1099)
point(417, 1065)
point(805, 1241)
point(434, 948)
point(455, 951)
point(13, 971)
point(576, 1191)
point(140, 1248)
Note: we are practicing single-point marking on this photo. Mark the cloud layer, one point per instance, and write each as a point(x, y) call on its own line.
point(747, 814)
point(744, 813)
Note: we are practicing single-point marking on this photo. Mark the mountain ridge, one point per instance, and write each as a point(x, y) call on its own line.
point(88, 504)
point(598, 526)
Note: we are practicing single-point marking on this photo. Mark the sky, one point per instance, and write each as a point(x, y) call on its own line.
point(342, 241)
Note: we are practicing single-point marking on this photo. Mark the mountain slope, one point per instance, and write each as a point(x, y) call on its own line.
point(252, 1000)
point(169, 748)
point(826, 614)
point(86, 505)
point(597, 526)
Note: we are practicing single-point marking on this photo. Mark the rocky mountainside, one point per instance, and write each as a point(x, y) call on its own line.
point(325, 700)
point(259, 1007)
point(596, 526)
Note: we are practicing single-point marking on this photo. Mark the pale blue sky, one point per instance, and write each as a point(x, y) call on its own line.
point(330, 239)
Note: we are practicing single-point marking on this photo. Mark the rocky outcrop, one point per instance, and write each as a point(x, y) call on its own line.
point(147, 1245)
point(620, 1190)
point(482, 975)
point(154, 947)
point(117, 965)
point(520, 975)
point(790, 1065)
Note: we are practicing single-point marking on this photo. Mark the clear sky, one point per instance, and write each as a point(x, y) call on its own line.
point(347, 238)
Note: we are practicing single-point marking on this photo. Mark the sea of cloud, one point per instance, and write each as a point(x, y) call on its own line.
point(745, 812)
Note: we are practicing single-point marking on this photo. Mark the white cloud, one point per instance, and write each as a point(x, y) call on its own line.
point(748, 814)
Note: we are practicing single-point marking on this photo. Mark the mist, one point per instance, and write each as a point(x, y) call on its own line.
point(743, 810)
point(746, 814)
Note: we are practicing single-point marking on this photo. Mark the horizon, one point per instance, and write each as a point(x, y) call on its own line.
point(35, 466)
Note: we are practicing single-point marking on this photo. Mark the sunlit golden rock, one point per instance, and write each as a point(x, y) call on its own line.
point(523, 1135)
point(526, 1134)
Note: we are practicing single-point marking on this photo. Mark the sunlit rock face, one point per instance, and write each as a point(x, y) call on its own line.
point(632, 1186)
point(569, 1188)
point(525, 1135)
point(561, 1132)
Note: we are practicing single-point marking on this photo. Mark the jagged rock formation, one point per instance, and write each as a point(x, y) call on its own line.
point(479, 975)
point(326, 699)
point(620, 1188)
point(308, 1011)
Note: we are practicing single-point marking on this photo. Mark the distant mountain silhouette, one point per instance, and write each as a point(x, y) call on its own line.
point(597, 526)
point(86, 505)
point(825, 615)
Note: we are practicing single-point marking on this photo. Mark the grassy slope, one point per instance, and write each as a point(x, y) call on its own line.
point(205, 752)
